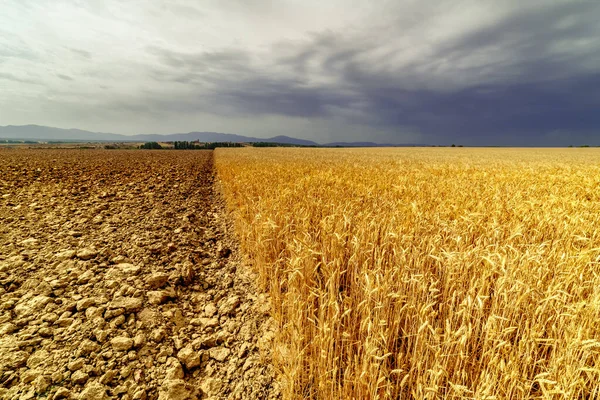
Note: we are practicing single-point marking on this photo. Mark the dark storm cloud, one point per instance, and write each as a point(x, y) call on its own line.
point(283, 98)
point(484, 114)
point(234, 85)
point(521, 78)
point(531, 90)
point(536, 88)
point(471, 72)
point(529, 40)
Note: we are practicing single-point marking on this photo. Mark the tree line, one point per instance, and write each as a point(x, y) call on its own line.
point(185, 145)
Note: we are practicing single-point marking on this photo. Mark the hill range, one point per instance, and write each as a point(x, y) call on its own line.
point(46, 133)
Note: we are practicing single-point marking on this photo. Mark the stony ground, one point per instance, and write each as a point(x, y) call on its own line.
point(118, 279)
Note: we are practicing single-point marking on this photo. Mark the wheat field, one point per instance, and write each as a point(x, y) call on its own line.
point(425, 273)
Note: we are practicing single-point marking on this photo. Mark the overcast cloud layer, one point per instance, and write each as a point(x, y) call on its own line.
point(470, 72)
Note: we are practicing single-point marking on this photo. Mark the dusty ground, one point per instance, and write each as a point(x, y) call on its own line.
point(118, 279)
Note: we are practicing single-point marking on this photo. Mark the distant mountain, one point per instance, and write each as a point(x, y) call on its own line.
point(218, 137)
point(291, 140)
point(45, 133)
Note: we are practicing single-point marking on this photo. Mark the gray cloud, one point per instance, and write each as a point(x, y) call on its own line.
point(82, 53)
point(12, 77)
point(13, 46)
point(456, 73)
point(522, 75)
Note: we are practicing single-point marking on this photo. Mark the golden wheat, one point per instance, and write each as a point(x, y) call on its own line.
point(426, 273)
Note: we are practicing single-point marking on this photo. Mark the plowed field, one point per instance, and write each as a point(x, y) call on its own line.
point(118, 279)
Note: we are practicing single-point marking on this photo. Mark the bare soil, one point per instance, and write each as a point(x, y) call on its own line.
point(119, 279)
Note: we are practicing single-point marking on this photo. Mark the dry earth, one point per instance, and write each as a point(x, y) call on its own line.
point(118, 279)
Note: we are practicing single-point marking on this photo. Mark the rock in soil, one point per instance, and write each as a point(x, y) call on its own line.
point(119, 278)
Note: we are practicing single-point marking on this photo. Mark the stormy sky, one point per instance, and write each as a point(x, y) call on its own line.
point(469, 72)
